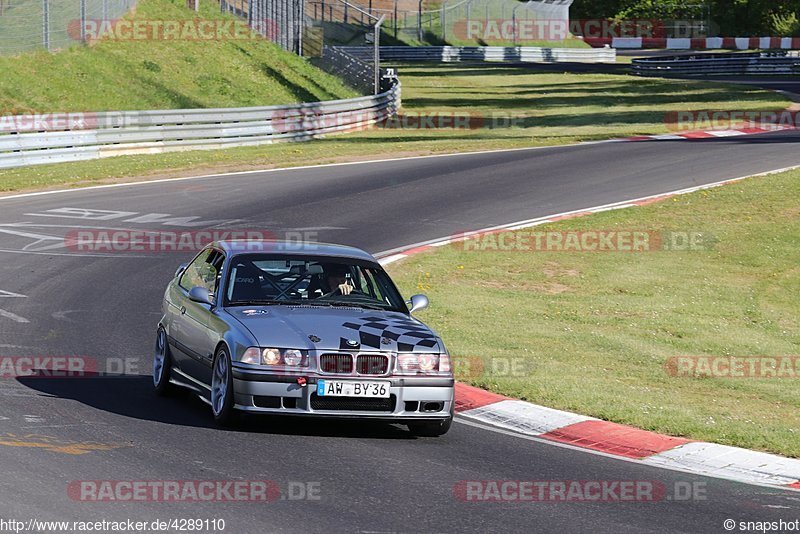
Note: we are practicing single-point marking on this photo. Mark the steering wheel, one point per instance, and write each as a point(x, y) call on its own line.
point(338, 291)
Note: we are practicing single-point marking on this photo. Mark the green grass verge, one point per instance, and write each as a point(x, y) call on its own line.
point(541, 108)
point(595, 330)
point(163, 74)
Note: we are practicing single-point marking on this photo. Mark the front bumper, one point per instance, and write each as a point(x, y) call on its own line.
point(411, 398)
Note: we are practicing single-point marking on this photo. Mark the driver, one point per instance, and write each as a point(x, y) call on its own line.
point(336, 278)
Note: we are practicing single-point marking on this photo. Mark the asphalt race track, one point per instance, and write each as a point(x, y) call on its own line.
point(369, 478)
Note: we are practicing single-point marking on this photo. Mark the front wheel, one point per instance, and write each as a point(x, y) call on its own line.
point(162, 364)
point(222, 388)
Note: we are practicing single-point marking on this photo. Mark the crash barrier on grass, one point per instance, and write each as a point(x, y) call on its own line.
point(696, 43)
point(775, 62)
point(55, 138)
point(510, 54)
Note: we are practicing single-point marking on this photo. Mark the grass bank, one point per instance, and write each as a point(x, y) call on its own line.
point(119, 74)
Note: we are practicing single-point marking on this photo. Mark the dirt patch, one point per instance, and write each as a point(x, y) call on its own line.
point(553, 269)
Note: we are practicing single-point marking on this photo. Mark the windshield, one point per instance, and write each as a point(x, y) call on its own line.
point(261, 279)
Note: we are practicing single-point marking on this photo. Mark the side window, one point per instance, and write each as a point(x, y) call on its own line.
point(217, 263)
point(201, 272)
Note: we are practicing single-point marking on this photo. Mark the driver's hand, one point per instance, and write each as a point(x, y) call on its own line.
point(345, 289)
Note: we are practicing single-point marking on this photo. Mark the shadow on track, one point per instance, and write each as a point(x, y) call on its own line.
point(133, 396)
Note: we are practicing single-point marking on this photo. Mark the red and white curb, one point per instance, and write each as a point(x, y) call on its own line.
point(702, 43)
point(613, 439)
point(649, 448)
point(710, 134)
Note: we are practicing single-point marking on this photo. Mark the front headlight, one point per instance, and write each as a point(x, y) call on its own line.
point(275, 357)
point(426, 364)
point(292, 357)
point(271, 357)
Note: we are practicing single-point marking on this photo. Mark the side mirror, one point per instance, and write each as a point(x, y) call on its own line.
point(201, 295)
point(181, 269)
point(417, 303)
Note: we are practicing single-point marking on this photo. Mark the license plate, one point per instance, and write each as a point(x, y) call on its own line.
point(337, 388)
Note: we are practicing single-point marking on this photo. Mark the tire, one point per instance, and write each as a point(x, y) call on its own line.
point(222, 388)
point(431, 429)
point(162, 364)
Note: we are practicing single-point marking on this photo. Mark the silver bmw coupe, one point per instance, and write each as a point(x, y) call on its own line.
point(301, 329)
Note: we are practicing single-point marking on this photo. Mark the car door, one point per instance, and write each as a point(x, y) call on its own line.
point(190, 326)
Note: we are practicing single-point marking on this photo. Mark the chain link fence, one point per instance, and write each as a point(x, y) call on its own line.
point(280, 21)
point(27, 25)
point(440, 22)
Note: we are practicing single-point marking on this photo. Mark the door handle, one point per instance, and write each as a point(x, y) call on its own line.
point(183, 310)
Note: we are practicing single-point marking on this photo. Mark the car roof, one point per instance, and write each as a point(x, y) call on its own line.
point(236, 247)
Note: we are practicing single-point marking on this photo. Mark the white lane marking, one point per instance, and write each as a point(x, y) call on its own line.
point(164, 219)
point(71, 255)
point(84, 213)
point(33, 419)
point(392, 255)
point(307, 167)
point(13, 317)
point(10, 294)
point(39, 239)
point(62, 315)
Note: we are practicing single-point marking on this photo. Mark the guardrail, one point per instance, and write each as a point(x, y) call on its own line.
point(517, 54)
point(55, 138)
point(778, 62)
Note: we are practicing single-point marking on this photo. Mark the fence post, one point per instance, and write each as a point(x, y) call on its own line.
point(419, 22)
point(301, 17)
point(378, 54)
point(46, 24)
point(83, 21)
point(443, 20)
point(395, 19)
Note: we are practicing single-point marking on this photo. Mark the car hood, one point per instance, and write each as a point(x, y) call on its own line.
point(314, 327)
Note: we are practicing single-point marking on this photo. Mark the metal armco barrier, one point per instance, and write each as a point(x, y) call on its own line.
point(778, 62)
point(55, 138)
point(518, 54)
